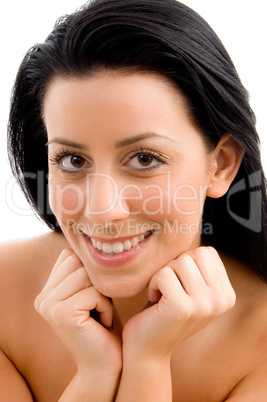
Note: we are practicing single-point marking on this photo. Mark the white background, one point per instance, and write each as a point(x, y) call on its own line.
point(239, 23)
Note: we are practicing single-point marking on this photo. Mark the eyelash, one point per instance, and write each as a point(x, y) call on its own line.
point(149, 152)
point(57, 158)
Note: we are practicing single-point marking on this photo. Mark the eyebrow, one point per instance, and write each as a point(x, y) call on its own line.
point(140, 137)
point(119, 144)
point(63, 141)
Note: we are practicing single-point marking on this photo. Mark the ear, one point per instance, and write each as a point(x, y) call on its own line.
point(225, 161)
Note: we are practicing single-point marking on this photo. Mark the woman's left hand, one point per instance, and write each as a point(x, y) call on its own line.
point(186, 296)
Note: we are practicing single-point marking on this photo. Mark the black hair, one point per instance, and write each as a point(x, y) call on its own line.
point(159, 36)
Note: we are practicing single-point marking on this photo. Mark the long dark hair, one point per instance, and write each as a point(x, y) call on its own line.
point(166, 37)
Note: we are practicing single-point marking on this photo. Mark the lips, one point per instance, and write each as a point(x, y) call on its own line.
point(112, 254)
point(118, 247)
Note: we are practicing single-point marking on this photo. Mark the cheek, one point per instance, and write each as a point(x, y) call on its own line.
point(171, 199)
point(188, 200)
point(65, 200)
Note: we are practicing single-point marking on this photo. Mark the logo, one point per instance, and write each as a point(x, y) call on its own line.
point(253, 187)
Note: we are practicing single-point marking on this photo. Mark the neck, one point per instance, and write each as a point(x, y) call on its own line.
point(127, 308)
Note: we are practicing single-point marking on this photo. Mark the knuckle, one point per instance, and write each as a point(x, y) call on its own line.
point(204, 253)
point(224, 302)
point(229, 300)
point(166, 271)
point(232, 299)
point(81, 272)
point(37, 302)
point(164, 274)
point(204, 309)
point(41, 304)
point(183, 260)
point(66, 253)
point(58, 313)
point(220, 305)
point(73, 257)
point(44, 308)
point(217, 305)
point(92, 293)
point(211, 249)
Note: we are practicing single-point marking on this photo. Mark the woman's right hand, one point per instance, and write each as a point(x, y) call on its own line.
point(66, 302)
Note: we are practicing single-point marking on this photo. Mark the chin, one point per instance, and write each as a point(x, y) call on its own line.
point(120, 290)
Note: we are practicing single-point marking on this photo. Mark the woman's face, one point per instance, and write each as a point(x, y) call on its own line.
point(128, 175)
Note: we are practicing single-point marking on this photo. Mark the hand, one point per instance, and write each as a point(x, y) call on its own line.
point(187, 295)
point(66, 302)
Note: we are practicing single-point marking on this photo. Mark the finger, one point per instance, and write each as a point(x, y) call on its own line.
point(189, 275)
point(214, 285)
point(73, 283)
point(62, 257)
point(167, 284)
point(79, 306)
point(210, 266)
point(69, 265)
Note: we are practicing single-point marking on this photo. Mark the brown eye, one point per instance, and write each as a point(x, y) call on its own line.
point(72, 163)
point(145, 160)
point(77, 161)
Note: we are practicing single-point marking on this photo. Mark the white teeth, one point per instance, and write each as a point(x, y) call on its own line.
point(107, 248)
point(117, 247)
point(99, 245)
point(134, 241)
point(127, 245)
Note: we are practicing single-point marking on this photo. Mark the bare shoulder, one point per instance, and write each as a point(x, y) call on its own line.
point(31, 355)
point(251, 301)
point(25, 266)
point(51, 242)
point(28, 256)
point(249, 318)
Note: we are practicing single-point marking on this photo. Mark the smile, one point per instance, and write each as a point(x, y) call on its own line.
point(116, 253)
point(118, 247)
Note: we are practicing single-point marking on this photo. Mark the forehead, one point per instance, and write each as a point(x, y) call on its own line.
point(114, 86)
point(112, 105)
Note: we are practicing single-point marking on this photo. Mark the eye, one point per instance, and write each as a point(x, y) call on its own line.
point(142, 161)
point(72, 162)
point(69, 162)
point(145, 160)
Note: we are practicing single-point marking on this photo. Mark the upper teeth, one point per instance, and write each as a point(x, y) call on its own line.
point(117, 247)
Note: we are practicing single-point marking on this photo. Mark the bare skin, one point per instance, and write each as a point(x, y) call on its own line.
point(200, 339)
point(228, 357)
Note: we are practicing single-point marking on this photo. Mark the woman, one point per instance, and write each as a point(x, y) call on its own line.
point(151, 285)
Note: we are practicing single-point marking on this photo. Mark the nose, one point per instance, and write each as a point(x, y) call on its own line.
point(103, 199)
